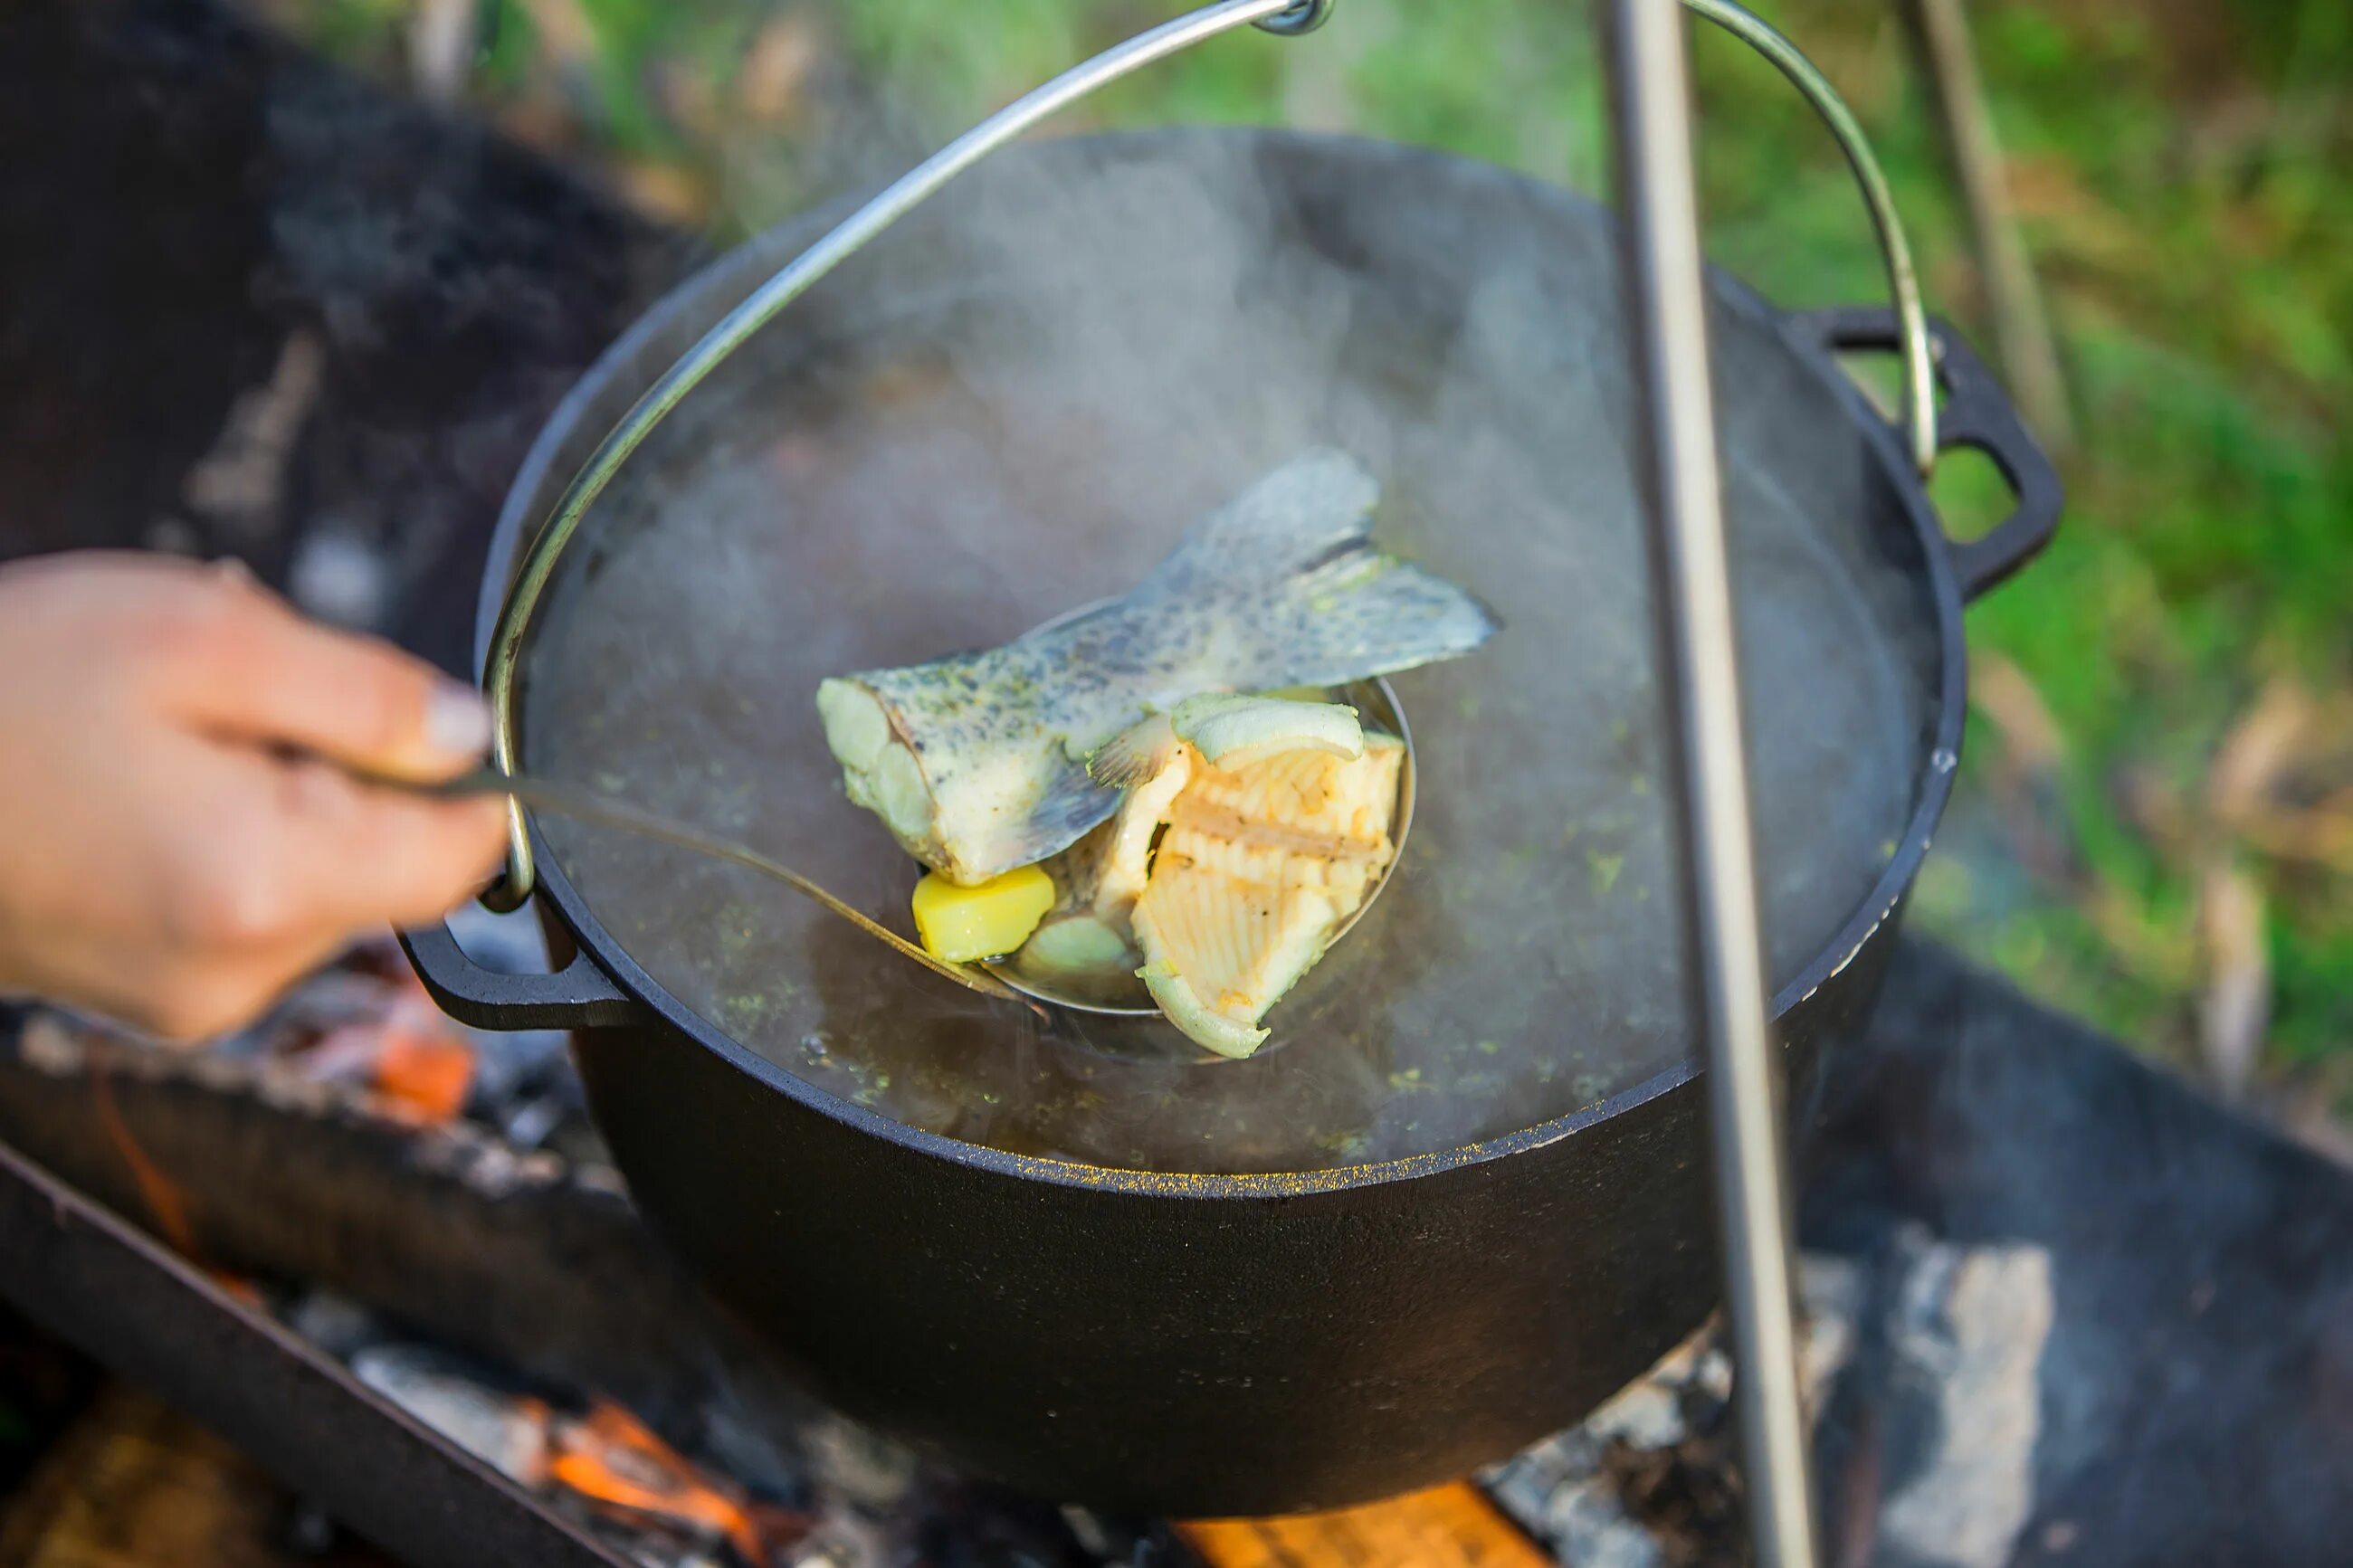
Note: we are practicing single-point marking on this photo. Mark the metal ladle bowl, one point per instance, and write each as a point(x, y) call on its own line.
point(1118, 992)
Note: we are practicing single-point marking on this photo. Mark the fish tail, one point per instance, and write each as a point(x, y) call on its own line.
point(1317, 505)
point(1368, 616)
point(1288, 573)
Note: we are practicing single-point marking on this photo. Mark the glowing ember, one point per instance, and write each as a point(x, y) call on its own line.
point(424, 1074)
point(609, 1458)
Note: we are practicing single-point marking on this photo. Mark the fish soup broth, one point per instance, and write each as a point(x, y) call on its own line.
point(951, 478)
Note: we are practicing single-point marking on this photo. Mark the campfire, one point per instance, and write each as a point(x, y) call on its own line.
point(448, 1234)
point(395, 1136)
point(2057, 1307)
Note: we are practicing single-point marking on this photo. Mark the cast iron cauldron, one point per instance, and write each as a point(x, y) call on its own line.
point(1202, 1345)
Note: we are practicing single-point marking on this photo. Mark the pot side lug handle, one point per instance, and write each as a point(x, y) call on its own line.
point(580, 995)
point(1977, 414)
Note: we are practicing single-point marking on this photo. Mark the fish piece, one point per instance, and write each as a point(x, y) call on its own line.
point(1344, 873)
point(1259, 869)
point(1218, 953)
point(977, 763)
point(1226, 731)
point(1135, 755)
point(1126, 860)
point(1303, 800)
point(1077, 869)
point(1233, 732)
point(1155, 761)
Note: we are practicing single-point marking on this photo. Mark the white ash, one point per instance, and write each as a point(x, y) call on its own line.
point(47, 1045)
point(1588, 1525)
point(1835, 1293)
point(173, 536)
point(1970, 1325)
point(869, 1472)
point(1560, 1491)
point(840, 1544)
point(240, 484)
point(1565, 1493)
point(341, 1327)
point(492, 1428)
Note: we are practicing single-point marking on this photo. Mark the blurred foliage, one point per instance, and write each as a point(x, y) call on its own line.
point(2179, 169)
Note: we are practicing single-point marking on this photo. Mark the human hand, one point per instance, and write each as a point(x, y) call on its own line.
point(163, 859)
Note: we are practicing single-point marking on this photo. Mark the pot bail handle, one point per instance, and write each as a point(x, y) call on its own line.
point(1896, 250)
point(1282, 18)
point(1287, 18)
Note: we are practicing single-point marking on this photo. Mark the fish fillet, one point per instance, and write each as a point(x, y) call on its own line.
point(977, 764)
point(1125, 862)
point(1260, 867)
point(1209, 736)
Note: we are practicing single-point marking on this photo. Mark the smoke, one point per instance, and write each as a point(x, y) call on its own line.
point(1015, 403)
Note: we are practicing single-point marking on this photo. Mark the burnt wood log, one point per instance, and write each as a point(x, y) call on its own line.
point(248, 303)
point(2167, 1285)
point(527, 1259)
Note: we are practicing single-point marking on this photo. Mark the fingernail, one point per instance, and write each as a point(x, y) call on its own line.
point(456, 721)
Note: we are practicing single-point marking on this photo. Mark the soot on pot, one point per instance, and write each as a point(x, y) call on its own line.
point(1014, 405)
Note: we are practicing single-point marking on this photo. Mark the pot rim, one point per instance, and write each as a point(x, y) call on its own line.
point(727, 274)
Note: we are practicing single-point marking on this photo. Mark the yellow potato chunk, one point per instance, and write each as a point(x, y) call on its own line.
point(962, 924)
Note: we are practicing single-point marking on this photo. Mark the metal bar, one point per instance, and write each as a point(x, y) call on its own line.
point(94, 1280)
point(1706, 762)
point(2021, 322)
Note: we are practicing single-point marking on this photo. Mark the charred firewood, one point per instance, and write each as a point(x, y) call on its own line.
point(252, 306)
point(528, 1259)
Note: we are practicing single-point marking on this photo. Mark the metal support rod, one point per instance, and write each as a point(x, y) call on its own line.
point(99, 1283)
point(1706, 762)
point(2021, 322)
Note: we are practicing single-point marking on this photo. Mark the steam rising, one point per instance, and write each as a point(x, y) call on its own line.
point(1013, 406)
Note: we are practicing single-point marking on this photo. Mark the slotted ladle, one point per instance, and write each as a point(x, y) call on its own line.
point(1117, 995)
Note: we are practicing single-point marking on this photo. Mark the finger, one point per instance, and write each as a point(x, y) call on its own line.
point(205, 1004)
point(366, 857)
point(252, 670)
point(310, 857)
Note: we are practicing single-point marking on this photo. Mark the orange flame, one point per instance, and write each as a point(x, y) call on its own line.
point(1452, 1526)
point(426, 1064)
point(417, 1065)
point(610, 1458)
point(156, 1190)
point(424, 1074)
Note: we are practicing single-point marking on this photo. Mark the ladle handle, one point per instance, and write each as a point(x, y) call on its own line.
point(578, 997)
point(1978, 414)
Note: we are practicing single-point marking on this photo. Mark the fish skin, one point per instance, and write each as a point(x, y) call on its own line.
point(1280, 587)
